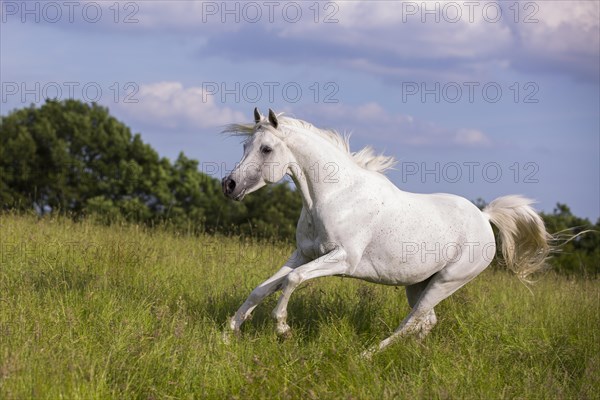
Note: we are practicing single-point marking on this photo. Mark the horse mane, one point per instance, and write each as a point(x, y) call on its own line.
point(365, 158)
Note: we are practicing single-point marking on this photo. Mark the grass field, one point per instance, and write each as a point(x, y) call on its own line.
point(88, 311)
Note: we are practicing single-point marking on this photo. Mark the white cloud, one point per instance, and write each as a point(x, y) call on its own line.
point(564, 34)
point(462, 38)
point(441, 40)
point(372, 121)
point(471, 138)
point(171, 105)
point(390, 29)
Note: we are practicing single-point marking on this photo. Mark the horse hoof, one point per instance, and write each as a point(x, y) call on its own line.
point(228, 334)
point(368, 354)
point(284, 332)
point(226, 337)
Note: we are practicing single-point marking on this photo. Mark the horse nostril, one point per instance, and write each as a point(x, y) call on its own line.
point(228, 185)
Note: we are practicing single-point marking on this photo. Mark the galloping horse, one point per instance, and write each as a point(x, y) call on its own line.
point(356, 223)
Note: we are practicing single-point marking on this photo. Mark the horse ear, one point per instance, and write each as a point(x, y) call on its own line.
point(257, 116)
point(273, 119)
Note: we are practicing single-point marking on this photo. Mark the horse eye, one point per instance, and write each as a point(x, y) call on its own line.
point(266, 150)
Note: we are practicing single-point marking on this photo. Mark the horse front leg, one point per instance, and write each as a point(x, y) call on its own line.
point(263, 290)
point(333, 263)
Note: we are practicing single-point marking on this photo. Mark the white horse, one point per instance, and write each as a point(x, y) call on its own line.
point(356, 223)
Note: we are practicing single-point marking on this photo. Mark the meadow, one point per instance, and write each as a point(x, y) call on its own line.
point(96, 312)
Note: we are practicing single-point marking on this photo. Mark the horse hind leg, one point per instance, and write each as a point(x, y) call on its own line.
point(442, 284)
point(424, 325)
point(414, 323)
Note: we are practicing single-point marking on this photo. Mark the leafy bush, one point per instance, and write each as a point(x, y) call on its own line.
point(75, 158)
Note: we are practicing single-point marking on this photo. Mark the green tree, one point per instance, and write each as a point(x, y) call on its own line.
point(62, 154)
point(75, 158)
point(580, 255)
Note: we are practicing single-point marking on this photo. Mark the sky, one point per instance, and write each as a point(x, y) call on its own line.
point(475, 98)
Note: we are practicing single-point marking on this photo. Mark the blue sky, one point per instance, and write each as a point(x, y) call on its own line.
point(480, 99)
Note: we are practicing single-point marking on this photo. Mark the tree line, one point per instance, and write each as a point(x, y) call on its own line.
point(74, 158)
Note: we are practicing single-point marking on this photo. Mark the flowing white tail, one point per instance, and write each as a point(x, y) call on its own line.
point(525, 242)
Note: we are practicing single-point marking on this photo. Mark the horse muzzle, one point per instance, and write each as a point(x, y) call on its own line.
point(229, 186)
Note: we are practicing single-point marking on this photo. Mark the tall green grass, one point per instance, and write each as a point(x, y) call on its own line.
point(89, 311)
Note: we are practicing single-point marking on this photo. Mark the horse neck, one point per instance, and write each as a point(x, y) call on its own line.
point(324, 168)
